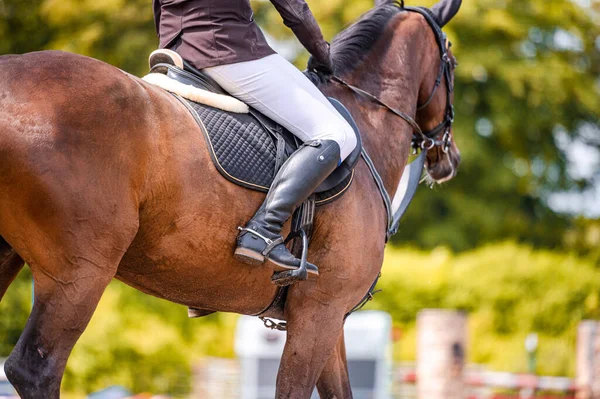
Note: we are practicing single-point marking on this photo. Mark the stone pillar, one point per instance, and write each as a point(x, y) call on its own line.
point(441, 354)
point(588, 360)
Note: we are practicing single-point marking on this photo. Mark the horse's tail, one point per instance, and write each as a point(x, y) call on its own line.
point(10, 265)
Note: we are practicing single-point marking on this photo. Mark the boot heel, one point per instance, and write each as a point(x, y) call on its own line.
point(248, 256)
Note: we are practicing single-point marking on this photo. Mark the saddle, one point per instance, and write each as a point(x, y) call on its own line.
point(249, 148)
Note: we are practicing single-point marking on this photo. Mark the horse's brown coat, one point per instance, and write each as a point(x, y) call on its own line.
point(103, 176)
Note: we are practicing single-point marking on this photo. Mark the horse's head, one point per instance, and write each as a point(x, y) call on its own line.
point(401, 62)
point(435, 113)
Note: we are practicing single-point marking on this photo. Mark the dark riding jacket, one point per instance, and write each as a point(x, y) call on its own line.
point(218, 32)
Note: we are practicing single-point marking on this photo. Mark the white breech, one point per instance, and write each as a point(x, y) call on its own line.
point(279, 90)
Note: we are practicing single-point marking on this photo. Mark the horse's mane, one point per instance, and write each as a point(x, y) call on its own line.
point(352, 44)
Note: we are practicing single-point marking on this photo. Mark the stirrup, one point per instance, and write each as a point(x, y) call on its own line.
point(270, 243)
point(290, 277)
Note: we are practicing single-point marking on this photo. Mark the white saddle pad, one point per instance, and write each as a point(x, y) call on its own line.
point(219, 101)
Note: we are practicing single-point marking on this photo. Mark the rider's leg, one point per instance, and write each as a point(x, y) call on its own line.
point(279, 90)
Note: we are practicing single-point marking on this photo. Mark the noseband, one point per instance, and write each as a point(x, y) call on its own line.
point(430, 139)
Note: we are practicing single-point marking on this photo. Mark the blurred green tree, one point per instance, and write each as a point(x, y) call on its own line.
point(120, 32)
point(527, 89)
point(23, 27)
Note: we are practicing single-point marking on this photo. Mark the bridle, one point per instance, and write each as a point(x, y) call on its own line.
point(424, 140)
point(428, 139)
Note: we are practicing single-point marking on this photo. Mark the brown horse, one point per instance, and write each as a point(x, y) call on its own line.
point(104, 176)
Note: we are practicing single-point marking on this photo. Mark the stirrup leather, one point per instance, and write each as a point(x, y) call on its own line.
point(270, 243)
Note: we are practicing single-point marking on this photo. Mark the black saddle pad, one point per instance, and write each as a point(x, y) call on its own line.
point(248, 149)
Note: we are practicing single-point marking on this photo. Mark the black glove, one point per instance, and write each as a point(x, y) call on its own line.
point(323, 65)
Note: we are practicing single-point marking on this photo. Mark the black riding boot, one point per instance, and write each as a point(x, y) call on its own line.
point(297, 179)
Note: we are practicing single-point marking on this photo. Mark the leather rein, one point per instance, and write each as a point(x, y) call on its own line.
point(430, 139)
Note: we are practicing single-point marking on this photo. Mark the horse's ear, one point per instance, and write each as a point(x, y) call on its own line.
point(445, 10)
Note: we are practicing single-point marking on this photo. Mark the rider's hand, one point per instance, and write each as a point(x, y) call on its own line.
point(324, 64)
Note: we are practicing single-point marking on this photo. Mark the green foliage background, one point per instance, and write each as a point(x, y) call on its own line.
point(520, 92)
point(508, 291)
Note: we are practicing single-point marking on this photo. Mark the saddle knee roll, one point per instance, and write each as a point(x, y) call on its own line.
point(343, 134)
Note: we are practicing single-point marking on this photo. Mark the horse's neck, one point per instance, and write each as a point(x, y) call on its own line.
point(386, 137)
